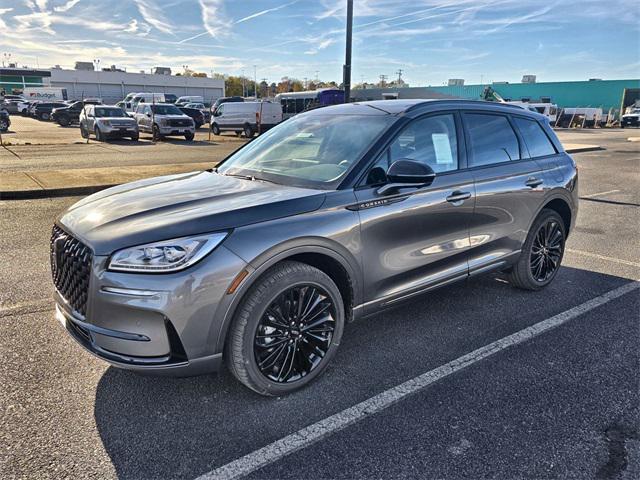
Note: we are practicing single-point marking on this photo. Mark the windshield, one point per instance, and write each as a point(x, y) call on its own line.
point(166, 110)
point(308, 150)
point(109, 112)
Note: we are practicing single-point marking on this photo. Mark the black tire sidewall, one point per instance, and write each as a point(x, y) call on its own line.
point(261, 383)
point(215, 129)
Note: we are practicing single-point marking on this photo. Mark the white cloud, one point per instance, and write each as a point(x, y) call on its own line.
point(66, 6)
point(152, 14)
point(321, 46)
point(264, 12)
point(213, 17)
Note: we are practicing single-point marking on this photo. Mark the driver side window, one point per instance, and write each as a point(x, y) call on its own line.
point(430, 140)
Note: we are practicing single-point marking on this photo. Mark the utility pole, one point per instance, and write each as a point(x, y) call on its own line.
point(346, 70)
point(399, 72)
point(383, 79)
point(255, 83)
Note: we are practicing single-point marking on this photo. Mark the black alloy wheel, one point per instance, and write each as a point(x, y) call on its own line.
point(546, 251)
point(294, 333)
point(542, 252)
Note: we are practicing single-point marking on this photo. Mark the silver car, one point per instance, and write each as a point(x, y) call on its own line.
point(164, 119)
point(331, 216)
point(107, 122)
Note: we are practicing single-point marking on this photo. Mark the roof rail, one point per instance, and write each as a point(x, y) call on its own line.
point(457, 101)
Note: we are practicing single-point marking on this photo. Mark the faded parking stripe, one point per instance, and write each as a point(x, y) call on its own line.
point(323, 428)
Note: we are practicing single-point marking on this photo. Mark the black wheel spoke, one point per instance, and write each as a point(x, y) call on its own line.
point(294, 333)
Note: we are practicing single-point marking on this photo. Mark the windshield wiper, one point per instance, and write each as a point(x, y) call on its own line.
point(237, 175)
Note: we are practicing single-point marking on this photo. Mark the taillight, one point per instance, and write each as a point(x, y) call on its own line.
point(257, 117)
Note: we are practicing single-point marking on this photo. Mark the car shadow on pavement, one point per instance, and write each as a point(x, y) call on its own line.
point(163, 427)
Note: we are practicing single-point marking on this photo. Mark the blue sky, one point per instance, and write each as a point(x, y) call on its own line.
point(430, 40)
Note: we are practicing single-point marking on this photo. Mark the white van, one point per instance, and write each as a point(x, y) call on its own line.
point(145, 97)
point(549, 110)
point(189, 99)
point(247, 117)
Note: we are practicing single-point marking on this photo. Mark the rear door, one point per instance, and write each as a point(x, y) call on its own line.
point(418, 237)
point(509, 188)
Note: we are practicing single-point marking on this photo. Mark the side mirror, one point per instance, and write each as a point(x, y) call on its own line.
point(407, 173)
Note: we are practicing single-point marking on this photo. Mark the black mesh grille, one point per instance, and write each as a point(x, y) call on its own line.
point(179, 123)
point(71, 268)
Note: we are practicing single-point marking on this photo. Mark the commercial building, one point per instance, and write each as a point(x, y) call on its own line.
point(606, 94)
point(109, 85)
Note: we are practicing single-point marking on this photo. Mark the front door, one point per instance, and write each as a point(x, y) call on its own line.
point(417, 238)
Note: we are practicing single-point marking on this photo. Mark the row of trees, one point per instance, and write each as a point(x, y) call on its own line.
point(245, 86)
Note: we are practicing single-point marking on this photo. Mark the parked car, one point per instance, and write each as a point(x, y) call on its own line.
point(5, 120)
point(107, 122)
point(31, 112)
point(71, 113)
point(42, 110)
point(246, 117)
point(201, 106)
point(170, 98)
point(334, 215)
point(181, 101)
point(144, 97)
point(23, 107)
point(196, 115)
point(631, 119)
point(222, 100)
point(163, 120)
point(10, 104)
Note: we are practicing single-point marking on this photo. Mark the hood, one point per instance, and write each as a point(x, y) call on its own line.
point(127, 119)
point(173, 117)
point(175, 206)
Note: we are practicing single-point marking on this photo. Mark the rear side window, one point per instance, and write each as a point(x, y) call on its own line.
point(536, 140)
point(492, 140)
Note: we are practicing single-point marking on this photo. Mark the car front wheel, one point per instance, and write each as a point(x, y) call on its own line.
point(215, 129)
point(542, 252)
point(286, 330)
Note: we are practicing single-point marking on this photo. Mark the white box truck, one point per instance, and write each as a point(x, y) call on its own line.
point(49, 94)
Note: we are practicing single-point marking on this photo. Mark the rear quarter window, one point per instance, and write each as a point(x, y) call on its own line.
point(535, 138)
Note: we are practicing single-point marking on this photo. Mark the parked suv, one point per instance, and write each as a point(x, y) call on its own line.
point(42, 110)
point(69, 114)
point(106, 122)
point(331, 216)
point(164, 119)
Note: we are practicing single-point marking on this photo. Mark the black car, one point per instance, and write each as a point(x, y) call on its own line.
point(70, 113)
point(195, 114)
point(222, 100)
point(5, 121)
point(42, 110)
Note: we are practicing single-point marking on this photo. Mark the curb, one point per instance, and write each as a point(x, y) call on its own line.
point(53, 192)
point(588, 148)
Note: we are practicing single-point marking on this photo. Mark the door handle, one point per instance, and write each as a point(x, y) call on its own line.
point(458, 196)
point(533, 182)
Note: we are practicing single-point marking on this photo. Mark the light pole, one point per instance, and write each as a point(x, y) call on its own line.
point(346, 71)
point(7, 58)
point(255, 82)
point(96, 64)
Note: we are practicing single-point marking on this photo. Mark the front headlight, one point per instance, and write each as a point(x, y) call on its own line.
point(166, 256)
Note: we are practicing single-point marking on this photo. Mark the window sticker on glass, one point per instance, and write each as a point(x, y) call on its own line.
point(442, 148)
point(304, 135)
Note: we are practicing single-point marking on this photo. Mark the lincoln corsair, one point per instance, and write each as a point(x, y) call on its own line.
point(330, 217)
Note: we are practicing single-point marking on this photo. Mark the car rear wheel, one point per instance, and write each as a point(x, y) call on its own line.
point(64, 121)
point(286, 330)
point(44, 116)
point(541, 254)
point(4, 126)
point(248, 131)
point(215, 129)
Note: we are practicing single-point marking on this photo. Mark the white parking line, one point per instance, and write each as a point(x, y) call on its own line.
point(323, 428)
point(603, 257)
point(599, 194)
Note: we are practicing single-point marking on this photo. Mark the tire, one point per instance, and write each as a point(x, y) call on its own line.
point(83, 132)
point(215, 129)
point(238, 132)
point(248, 131)
point(64, 121)
point(4, 126)
point(44, 116)
point(135, 138)
point(550, 243)
point(99, 136)
point(155, 132)
point(189, 136)
point(301, 283)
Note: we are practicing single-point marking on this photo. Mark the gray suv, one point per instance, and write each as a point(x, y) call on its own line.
point(331, 216)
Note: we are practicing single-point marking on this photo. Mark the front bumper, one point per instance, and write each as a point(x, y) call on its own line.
point(630, 122)
point(168, 131)
point(119, 132)
point(157, 323)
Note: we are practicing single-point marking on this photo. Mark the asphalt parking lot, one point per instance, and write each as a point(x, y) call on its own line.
point(561, 404)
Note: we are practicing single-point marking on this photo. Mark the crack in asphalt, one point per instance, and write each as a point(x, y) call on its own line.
point(617, 436)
